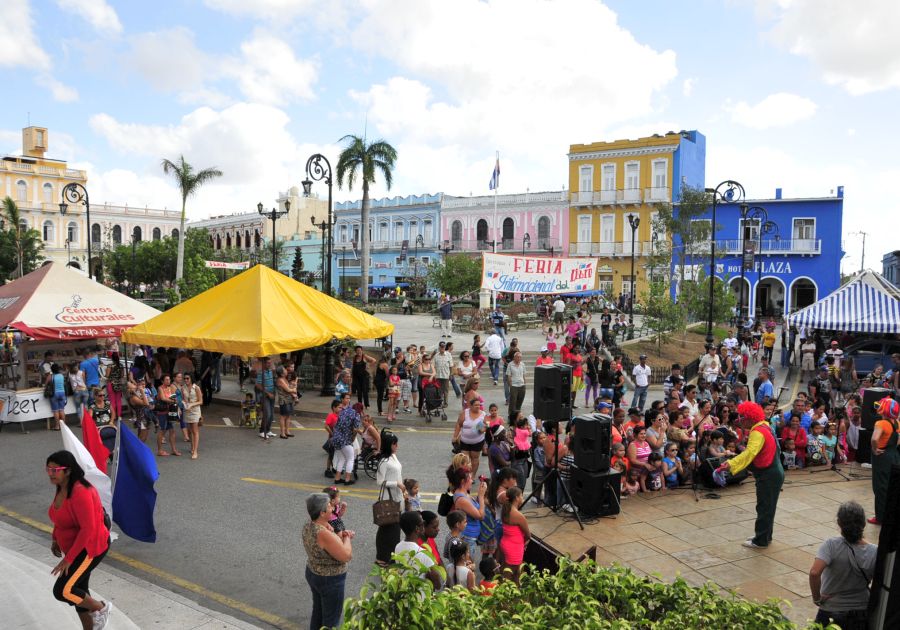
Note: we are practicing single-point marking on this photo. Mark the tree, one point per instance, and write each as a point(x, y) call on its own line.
point(20, 248)
point(694, 299)
point(358, 155)
point(457, 275)
point(661, 315)
point(297, 272)
point(189, 182)
point(689, 235)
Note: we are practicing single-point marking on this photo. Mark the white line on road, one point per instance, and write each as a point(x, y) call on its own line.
point(411, 430)
point(296, 425)
point(228, 422)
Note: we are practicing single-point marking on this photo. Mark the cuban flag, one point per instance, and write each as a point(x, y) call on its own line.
point(495, 177)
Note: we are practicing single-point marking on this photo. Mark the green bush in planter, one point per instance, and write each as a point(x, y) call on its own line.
point(580, 596)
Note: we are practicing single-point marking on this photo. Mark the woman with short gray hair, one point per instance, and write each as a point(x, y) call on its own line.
point(840, 575)
point(327, 557)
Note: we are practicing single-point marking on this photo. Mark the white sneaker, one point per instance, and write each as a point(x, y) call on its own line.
point(101, 617)
point(270, 434)
point(262, 435)
point(752, 545)
point(568, 508)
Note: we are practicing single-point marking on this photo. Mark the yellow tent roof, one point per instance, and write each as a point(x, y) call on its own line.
point(259, 312)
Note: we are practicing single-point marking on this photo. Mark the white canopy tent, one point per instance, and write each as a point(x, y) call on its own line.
point(866, 304)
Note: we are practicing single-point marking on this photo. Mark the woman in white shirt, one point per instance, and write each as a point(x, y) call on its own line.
point(390, 475)
point(79, 389)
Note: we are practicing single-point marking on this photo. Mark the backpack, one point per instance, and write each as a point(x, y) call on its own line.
point(490, 527)
point(115, 377)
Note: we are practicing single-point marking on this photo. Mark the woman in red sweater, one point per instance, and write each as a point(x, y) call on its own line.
point(79, 535)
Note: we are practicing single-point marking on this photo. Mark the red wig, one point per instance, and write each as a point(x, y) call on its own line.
point(751, 411)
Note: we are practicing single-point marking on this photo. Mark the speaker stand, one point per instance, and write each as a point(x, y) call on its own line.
point(554, 475)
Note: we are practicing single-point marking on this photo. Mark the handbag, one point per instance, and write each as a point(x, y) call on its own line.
point(49, 389)
point(385, 511)
point(445, 504)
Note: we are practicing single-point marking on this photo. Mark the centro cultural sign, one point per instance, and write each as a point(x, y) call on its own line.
point(532, 274)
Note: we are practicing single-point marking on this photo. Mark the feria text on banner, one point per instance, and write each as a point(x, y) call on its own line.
point(533, 274)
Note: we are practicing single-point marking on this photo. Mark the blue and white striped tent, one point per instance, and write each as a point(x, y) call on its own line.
point(866, 304)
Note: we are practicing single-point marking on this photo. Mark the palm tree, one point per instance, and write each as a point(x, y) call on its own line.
point(368, 158)
point(12, 214)
point(189, 182)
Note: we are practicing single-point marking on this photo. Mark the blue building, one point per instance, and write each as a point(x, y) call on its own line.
point(310, 248)
point(404, 235)
point(890, 267)
point(795, 262)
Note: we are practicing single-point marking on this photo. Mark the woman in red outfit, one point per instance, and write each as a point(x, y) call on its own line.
point(797, 433)
point(79, 535)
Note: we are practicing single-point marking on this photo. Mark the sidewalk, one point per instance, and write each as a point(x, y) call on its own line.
point(28, 600)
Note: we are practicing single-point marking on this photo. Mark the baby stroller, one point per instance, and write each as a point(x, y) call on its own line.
point(434, 402)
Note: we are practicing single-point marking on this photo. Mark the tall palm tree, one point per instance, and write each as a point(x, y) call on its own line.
point(189, 182)
point(11, 213)
point(367, 158)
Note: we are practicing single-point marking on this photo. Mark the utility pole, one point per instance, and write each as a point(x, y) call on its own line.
point(862, 262)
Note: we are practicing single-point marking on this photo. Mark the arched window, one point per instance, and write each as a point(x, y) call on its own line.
point(218, 241)
point(21, 190)
point(237, 240)
point(481, 233)
point(228, 240)
point(117, 235)
point(72, 233)
point(48, 193)
point(509, 229)
point(543, 232)
point(256, 238)
point(49, 232)
point(247, 239)
point(137, 234)
point(23, 224)
point(175, 233)
point(157, 234)
point(95, 233)
point(456, 234)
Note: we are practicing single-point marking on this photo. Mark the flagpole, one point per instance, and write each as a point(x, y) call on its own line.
point(496, 186)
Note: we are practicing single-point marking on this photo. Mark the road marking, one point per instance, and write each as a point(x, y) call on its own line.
point(228, 422)
point(297, 425)
point(362, 493)
point(235, 604)
point(410, 429)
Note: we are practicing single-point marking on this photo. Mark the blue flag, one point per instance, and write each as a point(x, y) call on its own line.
point(134, 497)
point(495, 177)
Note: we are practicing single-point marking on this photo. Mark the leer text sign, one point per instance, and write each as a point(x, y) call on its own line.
point(533, 274)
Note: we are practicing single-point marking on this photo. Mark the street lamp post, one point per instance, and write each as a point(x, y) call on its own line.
point(634, 221)
point(76, 193)
point(343, 266)
point(274, 214)
point(754, 214)
point(767, 227)
point(318, 169)
point(68, 253)
point(447, 248)
point(420, 240)
point(526, 242)
point(728, 191)
point(133, 249)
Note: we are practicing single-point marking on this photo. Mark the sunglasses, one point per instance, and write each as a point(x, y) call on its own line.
point(56, 469)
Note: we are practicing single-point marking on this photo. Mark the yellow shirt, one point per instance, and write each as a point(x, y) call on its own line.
point(755, 444)
point(768, 339)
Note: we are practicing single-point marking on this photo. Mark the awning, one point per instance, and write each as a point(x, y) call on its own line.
point(258, 312)
point(54, 302)
point(867, 304)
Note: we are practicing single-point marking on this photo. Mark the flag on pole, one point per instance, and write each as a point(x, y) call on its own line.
point(90, 435)
point(495, 178)
point(134, 497)
point(92, 474)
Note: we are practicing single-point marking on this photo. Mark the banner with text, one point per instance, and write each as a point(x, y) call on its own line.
point(532, 274)
point(218, 264)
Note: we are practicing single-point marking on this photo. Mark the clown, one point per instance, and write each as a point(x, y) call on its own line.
point(884, 453)
point(763, 459)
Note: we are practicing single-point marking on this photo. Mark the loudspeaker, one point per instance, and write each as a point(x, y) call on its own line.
point(544, 556)
point(593, 442)
point(596, 493)
point(884, 598)
point(869, 398)
point(864, 446)
point(553, 391)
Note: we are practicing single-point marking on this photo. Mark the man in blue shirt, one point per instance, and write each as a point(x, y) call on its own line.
point(91, 368)
point(446, 310)
point(498, 319)
point(765, 391)
point(265, 387)
point(800, 408)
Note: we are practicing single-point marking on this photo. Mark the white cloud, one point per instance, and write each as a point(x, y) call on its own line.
point(854, 43)
point(478, 76)
point(229, 139)
point(169, 59)
point(269, 72)
point(776, 110)
point(96, 12)
point(327, 15)
point(19, 46)
point(687, 87)
point(60, 91)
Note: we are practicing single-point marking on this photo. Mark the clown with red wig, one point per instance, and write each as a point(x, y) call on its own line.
point(762, 458)
point(884, 453)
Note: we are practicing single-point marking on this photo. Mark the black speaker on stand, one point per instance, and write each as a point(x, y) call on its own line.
point(596, 493)
point(553, 392)
point(593, 442)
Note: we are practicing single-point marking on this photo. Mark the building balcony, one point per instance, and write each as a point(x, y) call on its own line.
point(625, 196)
point(658, 195)
point(610, 249)
point(539, 246)
point(808, 246)
point(398, 244)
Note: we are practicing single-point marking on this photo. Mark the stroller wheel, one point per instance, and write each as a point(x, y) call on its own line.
point(443, 416)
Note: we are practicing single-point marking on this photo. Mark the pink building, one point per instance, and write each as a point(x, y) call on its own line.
point(536, 223)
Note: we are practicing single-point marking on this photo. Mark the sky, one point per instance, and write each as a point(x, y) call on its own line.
point(796, 94)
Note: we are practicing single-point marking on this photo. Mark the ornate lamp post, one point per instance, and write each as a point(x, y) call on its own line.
point(728, 191)
point(751, 215)
point(634, 221)
point(274, 214)
point(76, 193)
point(526, 242)
point(133, 246)
point(318, 169)
point(420, 240)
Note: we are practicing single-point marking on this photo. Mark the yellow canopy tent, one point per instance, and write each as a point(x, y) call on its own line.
point(257, 313)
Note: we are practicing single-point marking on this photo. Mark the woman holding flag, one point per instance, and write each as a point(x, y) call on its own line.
point(80, 536)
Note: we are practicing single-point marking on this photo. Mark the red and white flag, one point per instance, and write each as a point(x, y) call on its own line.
point(90, 436)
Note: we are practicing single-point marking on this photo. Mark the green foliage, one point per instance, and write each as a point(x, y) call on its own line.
point(662, 316)
point(17, 244)
point(580, 595)
point(456, 276)
point(694, 299)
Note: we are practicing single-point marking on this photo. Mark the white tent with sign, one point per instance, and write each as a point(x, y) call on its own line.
point(866, 304)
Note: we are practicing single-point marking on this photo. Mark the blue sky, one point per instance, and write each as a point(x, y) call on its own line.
point(797, 94)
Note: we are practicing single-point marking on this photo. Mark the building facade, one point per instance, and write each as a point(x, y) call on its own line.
point(404, 235)
point(529, 223)
point(35, 182)
point(890, 267)
point(794, 263)
point(610, 181)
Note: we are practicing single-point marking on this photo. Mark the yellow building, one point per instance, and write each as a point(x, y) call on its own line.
point(612, 181)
